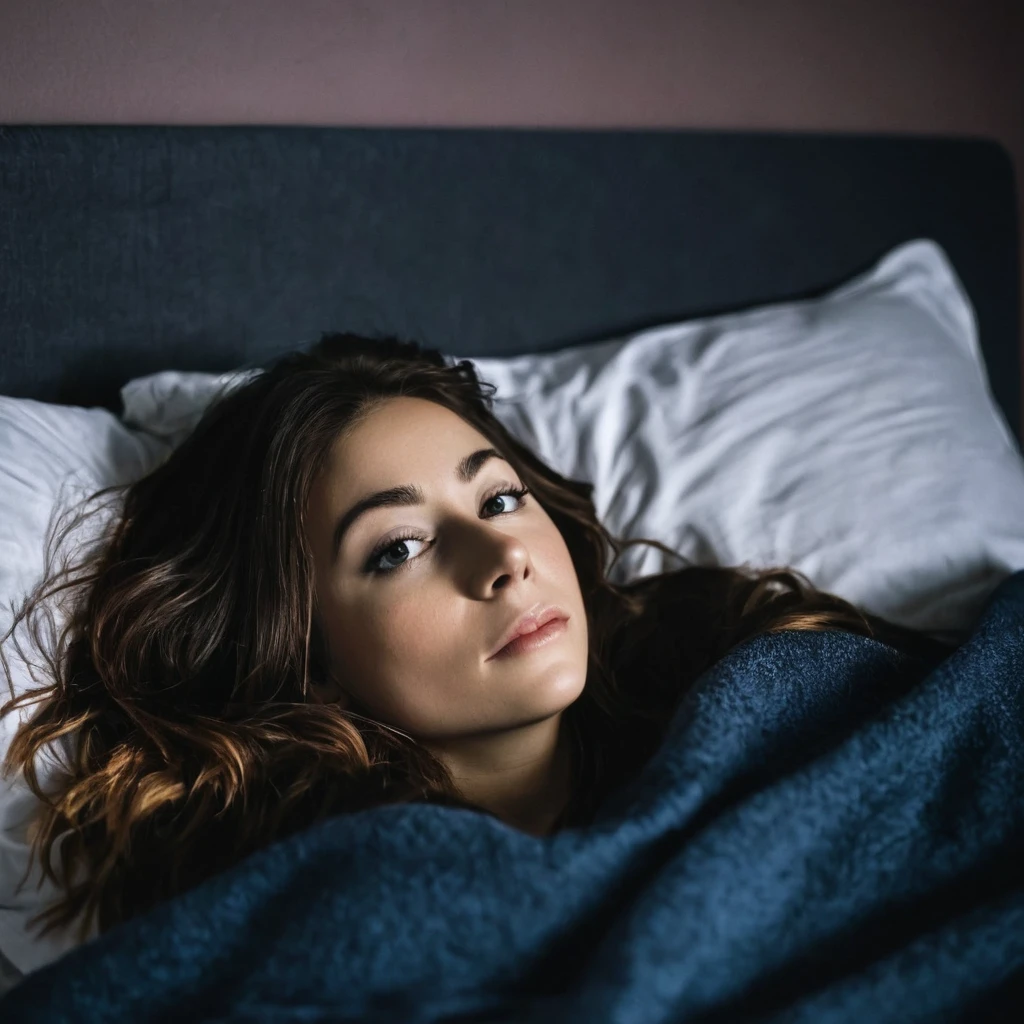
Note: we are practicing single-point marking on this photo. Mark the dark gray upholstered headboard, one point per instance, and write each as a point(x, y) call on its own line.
point(125, 250)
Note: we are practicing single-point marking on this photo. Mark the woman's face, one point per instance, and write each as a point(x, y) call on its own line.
point(411, 625)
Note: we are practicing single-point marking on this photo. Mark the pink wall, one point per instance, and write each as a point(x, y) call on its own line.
point(932, 66)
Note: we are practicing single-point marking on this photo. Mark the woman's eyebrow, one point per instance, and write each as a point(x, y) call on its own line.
point(406, 494)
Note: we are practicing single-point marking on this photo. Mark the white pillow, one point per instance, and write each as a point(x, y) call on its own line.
point(51, 457)
point(853, 437)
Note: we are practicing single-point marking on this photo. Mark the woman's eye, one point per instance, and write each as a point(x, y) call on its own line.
point(379, 561)
point(517, 494)
point(377, 564)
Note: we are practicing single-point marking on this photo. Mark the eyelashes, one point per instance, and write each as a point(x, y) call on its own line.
point(373, 567)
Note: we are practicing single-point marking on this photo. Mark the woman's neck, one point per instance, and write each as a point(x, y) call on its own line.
point(525, 777)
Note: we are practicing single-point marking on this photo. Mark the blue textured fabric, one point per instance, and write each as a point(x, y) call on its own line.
point(831, 831)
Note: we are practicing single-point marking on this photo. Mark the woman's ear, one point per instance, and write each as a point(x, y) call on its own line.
point(328, 691)
point(324, 687)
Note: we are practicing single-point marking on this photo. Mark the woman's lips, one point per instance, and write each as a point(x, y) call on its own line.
point(528, 642)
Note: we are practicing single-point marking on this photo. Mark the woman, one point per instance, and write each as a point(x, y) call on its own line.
point(305, 611)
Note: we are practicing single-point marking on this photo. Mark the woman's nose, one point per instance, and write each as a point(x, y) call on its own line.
point(493, 555)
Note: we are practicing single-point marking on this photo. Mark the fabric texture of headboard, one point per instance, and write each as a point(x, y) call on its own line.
point(130, 249)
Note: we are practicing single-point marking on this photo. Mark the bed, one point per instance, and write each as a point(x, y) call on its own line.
point(128, 251)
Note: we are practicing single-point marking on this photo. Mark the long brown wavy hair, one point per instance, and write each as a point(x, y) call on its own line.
point(180, 681)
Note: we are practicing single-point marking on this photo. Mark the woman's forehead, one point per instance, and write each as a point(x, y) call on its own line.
point(410, 422)
point(403, 440)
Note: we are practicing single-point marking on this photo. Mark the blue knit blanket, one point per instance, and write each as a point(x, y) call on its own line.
point(831, 831)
